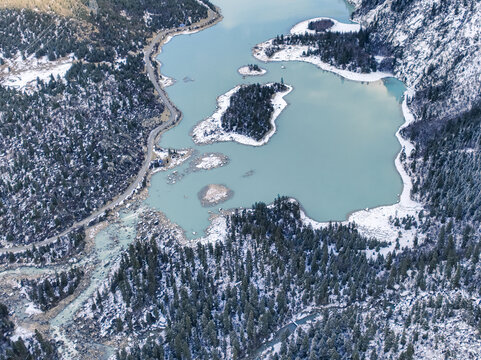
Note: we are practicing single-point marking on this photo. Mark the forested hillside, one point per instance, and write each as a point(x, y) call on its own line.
point(70, 145)
point(224, 300)
point(447, 164)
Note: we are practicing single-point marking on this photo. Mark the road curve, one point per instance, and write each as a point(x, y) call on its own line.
point(174, 117)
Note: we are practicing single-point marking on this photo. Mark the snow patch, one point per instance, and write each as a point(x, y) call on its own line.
point(166, 81)
point(26, 79)
point(32, 309)
point(217, 230)
point(21, 332)
point(210, 161)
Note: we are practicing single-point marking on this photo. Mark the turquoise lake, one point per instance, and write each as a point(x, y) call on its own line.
point(335, 143)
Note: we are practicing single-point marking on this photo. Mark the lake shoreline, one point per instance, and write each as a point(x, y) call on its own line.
point(377, 221)
point(295, 52)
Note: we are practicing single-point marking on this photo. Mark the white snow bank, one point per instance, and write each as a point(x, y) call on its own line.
point(210, 130)
point(32, 309)
point(302, 27)
point(215, 194)
point(21, 332)
point(166, 81)
point(20, 80)
point(217, 230)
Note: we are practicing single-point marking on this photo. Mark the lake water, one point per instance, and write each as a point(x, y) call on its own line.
point(334, 148)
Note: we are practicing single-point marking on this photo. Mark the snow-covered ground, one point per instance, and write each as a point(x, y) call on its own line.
point(295, 53)
point(172, 159)
point(210, 161)
point(166, 81)
point(23, 74)
point(217, 230)
point(210, 130)
point(246, 71)
point(32, 309)
point(457, 335)
point(21, 332)
point(302, 27)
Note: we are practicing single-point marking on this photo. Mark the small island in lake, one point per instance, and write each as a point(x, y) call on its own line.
point(214, 194)
point(245, 114)
point(252, 70)
point(209, 161)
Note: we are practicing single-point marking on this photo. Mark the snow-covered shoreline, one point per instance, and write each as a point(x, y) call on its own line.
point(294, 52)
point(210, 130)
point(246, 71)
point(378, 222)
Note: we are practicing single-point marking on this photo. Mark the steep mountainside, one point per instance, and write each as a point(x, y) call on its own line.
point(437, 45)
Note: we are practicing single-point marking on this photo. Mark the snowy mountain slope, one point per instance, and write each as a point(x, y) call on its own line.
point(437, 46)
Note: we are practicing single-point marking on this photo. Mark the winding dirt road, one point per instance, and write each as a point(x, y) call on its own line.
point(174, 117)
